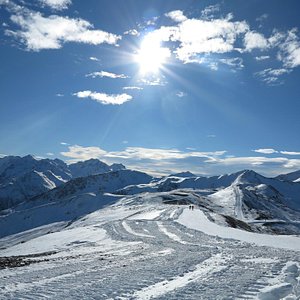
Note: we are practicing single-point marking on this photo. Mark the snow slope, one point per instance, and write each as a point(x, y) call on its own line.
point(140, 248)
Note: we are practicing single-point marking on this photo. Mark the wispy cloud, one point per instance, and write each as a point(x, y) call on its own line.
point(262, 18)
point(50, 154)
point(38, 32)
point(106, 74)
point(181, 94)
point(290, 49)
point(114, 99)
point(159, 161)
point(57, 4)
point(64, 144)
point(266, 151)
point(290, 152)
point(94, 58)
point(262, 57)
point(209, 11)
point(154, 81)
point(236, 62)
point(133, 32)
point(272, 76)
point(132, 88)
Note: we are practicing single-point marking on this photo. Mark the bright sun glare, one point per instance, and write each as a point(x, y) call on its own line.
point(151, 56)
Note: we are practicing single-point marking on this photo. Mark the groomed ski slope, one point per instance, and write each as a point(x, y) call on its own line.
point(151, 252)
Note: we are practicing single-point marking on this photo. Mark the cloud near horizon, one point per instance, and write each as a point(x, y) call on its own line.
point(266, 151)
point(165, 161)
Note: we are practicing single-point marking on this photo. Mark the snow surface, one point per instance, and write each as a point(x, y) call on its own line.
point(149, 250)
point(198, 221)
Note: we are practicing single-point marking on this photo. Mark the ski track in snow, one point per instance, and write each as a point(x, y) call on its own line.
point(202, 271)
point(152, 256)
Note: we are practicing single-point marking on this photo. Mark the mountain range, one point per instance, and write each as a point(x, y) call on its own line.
point(35, 192)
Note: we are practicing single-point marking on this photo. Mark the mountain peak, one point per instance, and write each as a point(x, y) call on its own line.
point(184, 174)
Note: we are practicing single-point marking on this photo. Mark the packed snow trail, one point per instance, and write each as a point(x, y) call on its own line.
point(134, 256)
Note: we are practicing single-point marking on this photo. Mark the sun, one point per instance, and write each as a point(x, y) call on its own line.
point(151, 56)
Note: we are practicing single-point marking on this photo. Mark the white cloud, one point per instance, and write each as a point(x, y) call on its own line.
point(255, 40)
point(211, 136)
point(153, 81)
point(133, 32)
point(38, 32)
point(132, 88)
point(262, 18)
point(176, 15)
point(210, 10)
point(49, 153)
point(254, 161)
point(114, 99)
point(290, 153)
point(57, 4)
point(59, 95)
point(136, 153)
point(83, 153)
point(64, 144)
point(196, 36)
point(290, 50)
point(272, 76)
point(94, 58)
point(236, 62)
point(262, 57)
point(266, 151)
point(106, 74)
point(181, 94)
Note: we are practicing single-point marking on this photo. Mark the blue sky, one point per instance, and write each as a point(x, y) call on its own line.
point(161, 86)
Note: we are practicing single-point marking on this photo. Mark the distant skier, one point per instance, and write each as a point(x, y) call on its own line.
point(192, 207)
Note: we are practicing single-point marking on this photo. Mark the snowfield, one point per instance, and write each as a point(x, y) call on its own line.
point(144, 249)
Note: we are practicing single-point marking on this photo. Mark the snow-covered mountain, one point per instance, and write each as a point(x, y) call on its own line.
point(293, 176)
point(184, 174)
point(92, 167)
point(70, 200)
point(175, 235)
point(246, 196)
point(22, 178)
